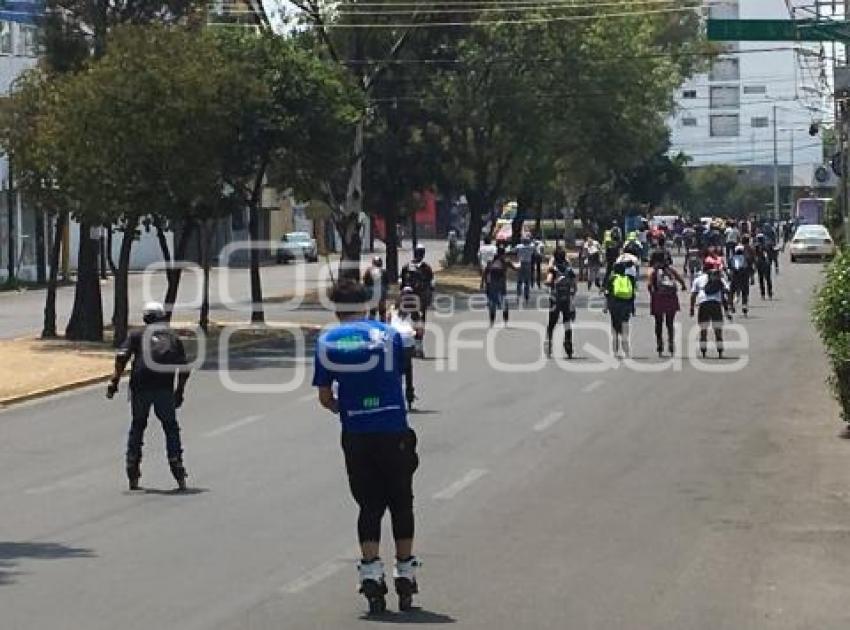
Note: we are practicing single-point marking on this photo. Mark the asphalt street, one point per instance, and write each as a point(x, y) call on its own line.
point(580, 495)
point(21, 313)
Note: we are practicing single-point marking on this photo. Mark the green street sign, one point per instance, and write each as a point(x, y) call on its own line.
point(777, 31)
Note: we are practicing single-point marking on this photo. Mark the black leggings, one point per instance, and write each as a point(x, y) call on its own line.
point(660, 320)
point(765, 281)
point(409, 390)
point(556, 313)
point(380, 470)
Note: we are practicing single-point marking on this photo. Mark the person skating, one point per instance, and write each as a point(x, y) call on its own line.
point(363, 360)
point(494, 282)
point(525, 253)
point(620, 293)
point(593, 262)
point(764, 267)
point(419, 276)
point(158, 358)
point(663, 283)
point(402, 320)
point(561, 280)
point(539, 255)
point(709, 300)
point(377, 281)
point(740, 272)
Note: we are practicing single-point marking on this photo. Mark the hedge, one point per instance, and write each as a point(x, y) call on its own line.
point(832, 320)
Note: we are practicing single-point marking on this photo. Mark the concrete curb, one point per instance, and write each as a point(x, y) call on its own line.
point(102, 378)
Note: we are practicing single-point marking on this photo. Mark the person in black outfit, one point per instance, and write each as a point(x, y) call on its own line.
point(562, 284)
point(158, 356)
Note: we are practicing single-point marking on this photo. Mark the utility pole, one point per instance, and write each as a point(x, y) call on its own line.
point(11, 210)
point(776, 167)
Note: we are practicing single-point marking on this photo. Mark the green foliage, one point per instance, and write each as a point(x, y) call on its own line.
point(832, 319)
point(721, 190)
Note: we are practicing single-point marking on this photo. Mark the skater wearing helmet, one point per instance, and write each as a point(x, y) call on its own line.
point(378, 281)
point(158, 356)
point(358, 369)
point(709, 299)
point(562, 284)
point(740, 272)
point(418, 275)
point(664, 282)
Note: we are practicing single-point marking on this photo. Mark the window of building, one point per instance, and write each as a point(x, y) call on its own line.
point(760, 121)
point(725, 69)
point(725, 97)
point(755, 89)
point(26, 44)
point(689, 94)
point(724, 10)
point(5, 38)
point(689, 121)
point(724, 125)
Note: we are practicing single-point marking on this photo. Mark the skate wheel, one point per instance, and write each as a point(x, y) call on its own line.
point(377, 605)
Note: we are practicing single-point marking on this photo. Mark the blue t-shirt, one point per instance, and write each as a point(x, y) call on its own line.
point(365, 359)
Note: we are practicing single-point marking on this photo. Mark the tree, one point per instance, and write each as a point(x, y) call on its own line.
point(295, 116)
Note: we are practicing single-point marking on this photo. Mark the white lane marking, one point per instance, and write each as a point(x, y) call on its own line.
point(592, 387)
point(548, 421)
point(82, 480)
point(308, 397)
point(313, 577)
point(451, 491)
point(227, 428)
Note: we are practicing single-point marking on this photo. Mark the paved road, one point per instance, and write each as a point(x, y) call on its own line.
point(615, 499)
point(230, 294)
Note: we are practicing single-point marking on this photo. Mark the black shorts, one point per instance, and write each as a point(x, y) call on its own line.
point(710, 313)
point(380, 467)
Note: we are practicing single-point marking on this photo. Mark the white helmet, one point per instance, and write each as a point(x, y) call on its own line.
point(153, 312)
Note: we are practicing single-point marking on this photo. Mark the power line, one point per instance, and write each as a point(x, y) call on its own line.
point(508, 22)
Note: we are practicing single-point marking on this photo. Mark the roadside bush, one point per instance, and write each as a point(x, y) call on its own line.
point(832, 319)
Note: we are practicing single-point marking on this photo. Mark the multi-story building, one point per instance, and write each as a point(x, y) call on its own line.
point(18, 52)
point(729, 113)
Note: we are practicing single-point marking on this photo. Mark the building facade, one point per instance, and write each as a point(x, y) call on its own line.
point(730, 113)
point(22, 231)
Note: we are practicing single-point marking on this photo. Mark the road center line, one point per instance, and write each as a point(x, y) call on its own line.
point(451, 491)
point(227, 428)
point(592, 387)
point(313, 577)
point(548, 421)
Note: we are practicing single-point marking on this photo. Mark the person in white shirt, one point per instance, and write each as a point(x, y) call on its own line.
point(401, 319)
point(486, 253)
point(592, 255)
point(733, 235)
point(709, 295)
point(525, 256)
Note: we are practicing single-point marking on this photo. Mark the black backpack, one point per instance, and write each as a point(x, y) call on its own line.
point(714, 284)
point(665, 282)
point(415, 278)
point(562, 289)
point(163, 349)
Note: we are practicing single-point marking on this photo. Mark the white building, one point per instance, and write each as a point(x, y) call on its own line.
point(18, 52)
point(728, 114)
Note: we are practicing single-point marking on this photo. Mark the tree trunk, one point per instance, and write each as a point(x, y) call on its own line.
point(40, 253)
point(86, 322)
point(204, 316)
point(477, 207)
point(348, 226)
point(121, 309)
point(109, 260)
point(49, 330)
point(174, 274)
point(391, 239)
point(103, 256)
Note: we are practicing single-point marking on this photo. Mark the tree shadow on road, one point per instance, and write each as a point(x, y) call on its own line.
point(11, 553)
point(414, 616)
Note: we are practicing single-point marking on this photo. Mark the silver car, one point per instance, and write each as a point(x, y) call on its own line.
point(812, 241)
point(297, 246)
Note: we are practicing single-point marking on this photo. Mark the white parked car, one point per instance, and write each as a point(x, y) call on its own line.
point(812, 241)
point(297, 246)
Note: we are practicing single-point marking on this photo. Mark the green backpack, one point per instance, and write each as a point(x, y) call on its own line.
point(623, 289)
